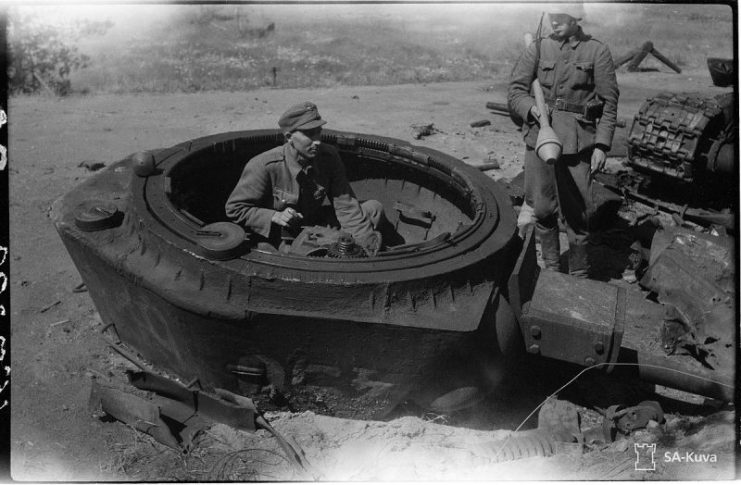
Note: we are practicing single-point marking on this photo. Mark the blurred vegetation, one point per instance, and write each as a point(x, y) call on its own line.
point(43, 56)
point(212, 47)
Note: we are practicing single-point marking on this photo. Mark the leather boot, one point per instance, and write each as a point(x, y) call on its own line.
point(550, 247)
point(578, 260)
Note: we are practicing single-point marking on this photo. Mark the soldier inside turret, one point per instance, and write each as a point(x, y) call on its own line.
point(301, 183)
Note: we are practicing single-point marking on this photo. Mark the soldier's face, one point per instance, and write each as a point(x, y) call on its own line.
point(563, 25)
point(306, 142)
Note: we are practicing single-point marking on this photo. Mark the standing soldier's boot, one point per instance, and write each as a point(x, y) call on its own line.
point(550, 247)
point(578, 260)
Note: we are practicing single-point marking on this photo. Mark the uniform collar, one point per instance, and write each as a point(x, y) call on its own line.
point(292, 162)
point(575, 39)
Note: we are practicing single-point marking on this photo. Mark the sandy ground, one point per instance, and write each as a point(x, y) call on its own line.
point(55, 332)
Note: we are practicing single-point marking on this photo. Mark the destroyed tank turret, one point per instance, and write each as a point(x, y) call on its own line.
point(688, 137)
point(173, 279)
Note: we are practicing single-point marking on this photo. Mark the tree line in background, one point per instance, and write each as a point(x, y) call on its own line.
point(42, 56)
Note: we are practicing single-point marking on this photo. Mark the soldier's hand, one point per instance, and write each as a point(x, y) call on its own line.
point(287, 217)
point(371, 243)
point(599, 157)
point(535, 114)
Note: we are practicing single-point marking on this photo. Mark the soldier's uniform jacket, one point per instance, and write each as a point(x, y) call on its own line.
point(270, 182)
point(576, 71)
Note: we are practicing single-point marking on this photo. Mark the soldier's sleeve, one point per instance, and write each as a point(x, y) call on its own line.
point(346, 205)
point(245, 204)
point(606, 87)
point(518, 94)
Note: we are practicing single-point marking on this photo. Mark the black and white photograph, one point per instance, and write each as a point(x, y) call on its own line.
point(369, 241)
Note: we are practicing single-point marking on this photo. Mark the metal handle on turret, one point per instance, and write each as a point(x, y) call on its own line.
point(547, 146)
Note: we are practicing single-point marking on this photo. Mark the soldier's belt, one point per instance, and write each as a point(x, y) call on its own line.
point(561, 105)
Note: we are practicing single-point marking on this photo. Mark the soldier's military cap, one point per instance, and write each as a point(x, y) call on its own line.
point(574, 10)
point(303, 116)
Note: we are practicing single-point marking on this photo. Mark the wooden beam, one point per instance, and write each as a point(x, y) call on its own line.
point(666, 61)
point(626, 57)
point(645, 49)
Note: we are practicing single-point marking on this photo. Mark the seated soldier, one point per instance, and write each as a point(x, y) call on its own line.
point(301, 183)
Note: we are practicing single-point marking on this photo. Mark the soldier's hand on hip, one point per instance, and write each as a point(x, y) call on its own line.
point(599, 157)
point(287, 217)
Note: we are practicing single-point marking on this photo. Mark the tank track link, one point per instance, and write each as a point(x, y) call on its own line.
point(672, 134)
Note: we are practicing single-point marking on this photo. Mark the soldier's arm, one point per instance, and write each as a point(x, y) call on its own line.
point(244, 205)
point(518, 95)
point(346, 205)
point(606, 87)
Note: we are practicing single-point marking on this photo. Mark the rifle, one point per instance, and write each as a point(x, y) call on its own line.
point(528, 40)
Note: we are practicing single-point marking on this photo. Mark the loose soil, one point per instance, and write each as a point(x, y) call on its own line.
point(57, 348)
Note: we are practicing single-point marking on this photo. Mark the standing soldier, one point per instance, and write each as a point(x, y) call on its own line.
point(578, 79)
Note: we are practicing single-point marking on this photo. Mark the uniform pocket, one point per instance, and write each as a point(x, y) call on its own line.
point(283, 198)
point(547, 73)
point(583, 74)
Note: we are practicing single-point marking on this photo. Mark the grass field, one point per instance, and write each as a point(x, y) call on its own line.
point(193, 48)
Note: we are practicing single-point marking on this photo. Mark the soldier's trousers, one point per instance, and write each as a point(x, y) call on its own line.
point(564, 187)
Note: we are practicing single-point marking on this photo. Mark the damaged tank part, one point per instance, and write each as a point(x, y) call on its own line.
point(689, 137)
point(171, 423)
point(683, 137)
point(694, 275)
point(393, 314)
point(623, 183)
point(611, 327)
point(240, 417)
point(721, 71)
point(627, 419)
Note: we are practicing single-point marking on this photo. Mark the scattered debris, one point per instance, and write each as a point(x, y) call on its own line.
point(125, 353)
point(560, 419)
point(488, 165)
point(693, 275)
point(81, 288)
point(629, 276)
point(150, 416)
point(698, 216)
point(558, 432)
point(721, 71)
point(419, 131)
point(524, 444)
point(174, 414)
point(49, 307)
point(498, 108)
point(480, 123)
point(60, 322)
point(625, 420)
point(456, 400)
point(92, 165)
